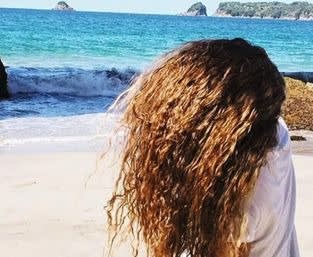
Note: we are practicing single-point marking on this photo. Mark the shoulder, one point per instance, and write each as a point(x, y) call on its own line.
point(273, 193)
point(275, 174)
point(282, 135)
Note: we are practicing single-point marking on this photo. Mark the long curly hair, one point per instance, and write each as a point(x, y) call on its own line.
point(199, 128)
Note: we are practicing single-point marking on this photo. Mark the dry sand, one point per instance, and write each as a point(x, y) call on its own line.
point(48, 210)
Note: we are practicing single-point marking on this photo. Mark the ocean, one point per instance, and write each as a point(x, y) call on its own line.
point(66, 68)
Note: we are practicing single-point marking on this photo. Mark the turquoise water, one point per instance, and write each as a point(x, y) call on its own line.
point(36, 38)
point(73, 63)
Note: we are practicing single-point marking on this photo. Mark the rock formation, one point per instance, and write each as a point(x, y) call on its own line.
point(297, 138)
point(62, 6)
point(197, 9)
point(274, 10)
point(3, 82)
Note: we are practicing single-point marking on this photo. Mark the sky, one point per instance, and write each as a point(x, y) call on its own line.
point(131, 6)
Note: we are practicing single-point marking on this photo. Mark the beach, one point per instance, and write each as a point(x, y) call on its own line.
point(52, 204)
point(64, 70)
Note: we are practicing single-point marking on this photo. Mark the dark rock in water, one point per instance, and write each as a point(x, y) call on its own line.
point(197, 9)
point(4, 93)
point(125, 76)
point(113, 73)
point(303, 76)
point(62, 6)
point(297, 138)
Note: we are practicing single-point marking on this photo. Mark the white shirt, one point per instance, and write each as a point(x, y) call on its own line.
point(271, 212)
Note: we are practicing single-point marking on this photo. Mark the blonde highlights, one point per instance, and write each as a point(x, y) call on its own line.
point(199, 129)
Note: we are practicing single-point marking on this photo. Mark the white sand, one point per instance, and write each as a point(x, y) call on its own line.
point(46, 207)
point(47, 211)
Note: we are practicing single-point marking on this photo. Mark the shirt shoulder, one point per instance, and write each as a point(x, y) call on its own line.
point(282, 136)
point(272, 195)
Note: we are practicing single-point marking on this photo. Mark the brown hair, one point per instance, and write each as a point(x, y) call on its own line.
point(199, 129)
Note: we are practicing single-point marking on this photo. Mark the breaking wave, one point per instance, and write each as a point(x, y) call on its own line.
point(69, 81)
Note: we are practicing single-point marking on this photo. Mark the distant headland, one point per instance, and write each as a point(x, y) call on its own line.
point(197, 9)
point(63, 6)
point(273, 10)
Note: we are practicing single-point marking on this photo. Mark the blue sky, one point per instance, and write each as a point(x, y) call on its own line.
point(133, 6)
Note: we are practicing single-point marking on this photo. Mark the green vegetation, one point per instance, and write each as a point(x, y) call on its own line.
point(276, 10)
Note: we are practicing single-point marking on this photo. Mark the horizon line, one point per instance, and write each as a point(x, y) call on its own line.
point(96, 11)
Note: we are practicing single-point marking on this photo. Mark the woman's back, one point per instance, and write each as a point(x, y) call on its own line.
point(201, 143)
point(271, 212)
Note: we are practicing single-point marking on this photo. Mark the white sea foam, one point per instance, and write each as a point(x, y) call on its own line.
point(58, 130)
point(70, 81)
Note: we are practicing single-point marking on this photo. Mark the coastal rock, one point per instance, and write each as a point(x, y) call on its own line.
point(4, 93)
point(269, 10)
point(297, 110)
point(197, 9)
point(297, 138)
point(62, 6)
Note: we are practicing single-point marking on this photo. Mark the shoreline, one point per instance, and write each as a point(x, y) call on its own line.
point(260, 18)
point(99, 145)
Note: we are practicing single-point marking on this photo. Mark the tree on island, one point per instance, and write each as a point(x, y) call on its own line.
point(275, 10)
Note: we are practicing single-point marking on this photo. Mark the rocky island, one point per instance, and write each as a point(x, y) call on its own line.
point(4, 93)
point(274, 10)
point(62, 6)
point(197, 9)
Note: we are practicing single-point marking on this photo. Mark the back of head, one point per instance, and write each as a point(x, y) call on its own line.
point(200, 126)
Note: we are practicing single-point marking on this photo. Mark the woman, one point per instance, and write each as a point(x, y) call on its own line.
point(207, 168)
